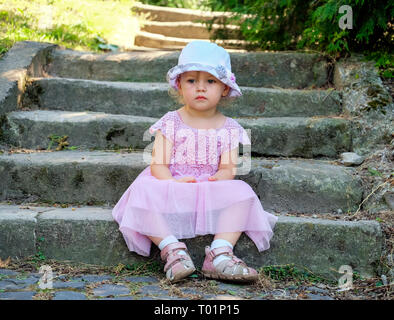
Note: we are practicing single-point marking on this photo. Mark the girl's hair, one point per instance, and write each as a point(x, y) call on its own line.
point(223, 102)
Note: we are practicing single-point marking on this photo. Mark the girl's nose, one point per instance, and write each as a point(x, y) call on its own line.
point(201, 85)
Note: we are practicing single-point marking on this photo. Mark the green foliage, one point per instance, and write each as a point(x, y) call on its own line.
point(144, 268)
point(88, 25)
point(20, 25)
point(291, 273)
point(374, 172)
point(314, 25)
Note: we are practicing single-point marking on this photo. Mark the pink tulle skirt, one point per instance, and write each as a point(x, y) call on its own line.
point(159, 208)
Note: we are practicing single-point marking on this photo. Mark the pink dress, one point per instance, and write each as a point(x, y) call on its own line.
point(160, 208)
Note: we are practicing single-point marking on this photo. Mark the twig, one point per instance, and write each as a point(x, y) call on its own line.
point(373, 191)
point(330, 91)
point(382, 286)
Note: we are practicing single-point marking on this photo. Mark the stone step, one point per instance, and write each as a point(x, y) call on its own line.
point(154, 40)
point(168, 14)
point(71, 176)
point(189, 30)
point(90, 235)
point(253, 69)
point(152, 99)
point(278, 136)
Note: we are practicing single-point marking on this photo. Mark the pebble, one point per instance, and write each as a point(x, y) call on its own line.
point(106, 290)
point(351, 159)
point(70, 284)
point(8, 272)
point(69, 295)
point(313, 296)
point(153, 290)
point(141, 279)
point(17, 295)
point(316, 290)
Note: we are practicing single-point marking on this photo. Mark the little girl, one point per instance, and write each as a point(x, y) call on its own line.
point(189, 187)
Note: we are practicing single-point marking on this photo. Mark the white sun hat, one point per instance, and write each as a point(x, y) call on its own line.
point(206, 56)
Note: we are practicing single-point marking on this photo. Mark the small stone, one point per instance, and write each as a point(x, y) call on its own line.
point(292, 288)
point(27, 281)
point(316, 290)
point(68, 284)
point(390, 260)
point(384, 279)
point(93, 278)
point(120, 298)
point(321, 285)
point(153, 290)
point(141, 279)
point(8, 272)
point(8, 284)
point(69, 295)
point(351, 159)
point(110, 290)
point(229, 287)
point(279, 293)
point(20, 295)
point(312, 296)
point(227, 297)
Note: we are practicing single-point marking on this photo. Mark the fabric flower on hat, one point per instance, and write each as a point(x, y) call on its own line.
point(221, 71)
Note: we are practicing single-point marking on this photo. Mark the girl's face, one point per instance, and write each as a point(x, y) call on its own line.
point(201, 90)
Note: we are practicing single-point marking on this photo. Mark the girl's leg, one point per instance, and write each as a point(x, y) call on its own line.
point(156, 240)
point(225, 239)
point(231, 237)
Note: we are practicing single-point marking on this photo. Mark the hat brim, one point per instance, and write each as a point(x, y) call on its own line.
point(221, 73)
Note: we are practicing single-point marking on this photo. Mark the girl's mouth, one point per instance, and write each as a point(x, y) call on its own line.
point(201, 98)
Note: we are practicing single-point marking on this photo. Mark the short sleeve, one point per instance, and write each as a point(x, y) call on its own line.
point(236, 134)
point(166, 124)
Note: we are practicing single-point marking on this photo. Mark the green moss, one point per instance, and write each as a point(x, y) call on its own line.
point(114, 132)
point(378, 103)
point(78, 179)
point(291, 272)
point(374, 91)
point(113, 177)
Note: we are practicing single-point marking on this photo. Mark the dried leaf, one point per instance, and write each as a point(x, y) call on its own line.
point(5, 263)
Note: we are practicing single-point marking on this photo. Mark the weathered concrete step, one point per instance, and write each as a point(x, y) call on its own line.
point(301, 186)
point(279, 136)
point(154, 40)
point(254, 69)
point(89, 235)
point(159, 13)
point(152, 99)
point(188, 29)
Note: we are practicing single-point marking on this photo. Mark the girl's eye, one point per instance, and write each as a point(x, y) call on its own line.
point(190, 80)
point(211, 81)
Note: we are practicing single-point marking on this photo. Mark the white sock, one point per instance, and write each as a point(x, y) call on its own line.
point(168, 240)
point(217, 244)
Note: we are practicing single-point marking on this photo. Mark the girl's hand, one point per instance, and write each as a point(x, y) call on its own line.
point(213, 178)
point(186, 179)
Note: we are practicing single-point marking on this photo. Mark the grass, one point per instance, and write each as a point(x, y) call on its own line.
point(292, 273)
point(86, 25)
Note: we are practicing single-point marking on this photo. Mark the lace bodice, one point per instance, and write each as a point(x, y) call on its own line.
point(197, 152)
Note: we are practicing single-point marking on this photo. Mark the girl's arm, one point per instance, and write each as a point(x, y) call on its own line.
point(227, 167)
point(161, 157)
